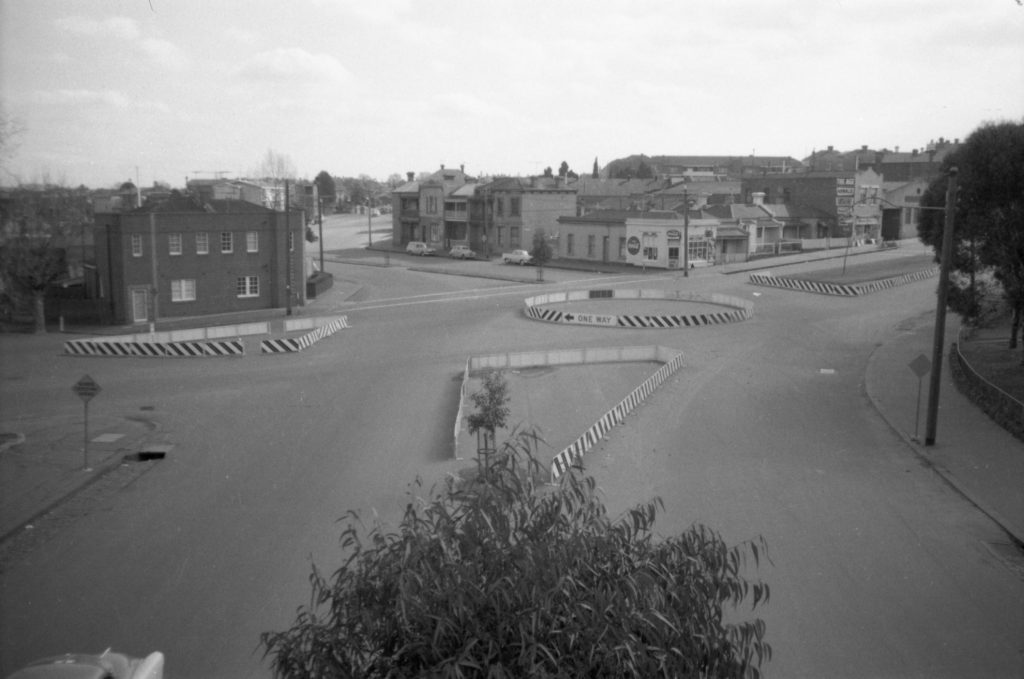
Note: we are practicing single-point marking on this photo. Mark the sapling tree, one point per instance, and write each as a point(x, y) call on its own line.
point(492, 410)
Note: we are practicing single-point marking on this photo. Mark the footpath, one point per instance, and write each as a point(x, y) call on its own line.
point(41, 462)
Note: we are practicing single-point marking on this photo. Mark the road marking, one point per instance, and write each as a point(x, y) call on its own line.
point(107, 438)
point(827, 371)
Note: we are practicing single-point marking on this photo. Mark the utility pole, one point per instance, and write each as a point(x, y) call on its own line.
point(369, 222)
point(940, 310)
point(287, 250)
point(320, 220)
point(155, 289)
point(686, 234)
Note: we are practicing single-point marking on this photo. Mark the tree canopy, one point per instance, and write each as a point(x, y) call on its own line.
point(498, 574)
point(325, 187)
point(988, 222)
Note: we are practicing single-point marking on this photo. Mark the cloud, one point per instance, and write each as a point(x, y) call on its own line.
point(292, 65)
point(114, 99)
point(161, 52)
point(241, 36)
point(117, 27)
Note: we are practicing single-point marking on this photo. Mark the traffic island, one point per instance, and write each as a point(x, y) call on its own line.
point(599, 308)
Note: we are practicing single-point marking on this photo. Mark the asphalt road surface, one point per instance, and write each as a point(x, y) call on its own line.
point(878, 568)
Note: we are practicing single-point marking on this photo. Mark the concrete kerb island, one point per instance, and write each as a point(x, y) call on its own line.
point(216, 341)
point(739, 309)
point(671, 359)
point(767, 279)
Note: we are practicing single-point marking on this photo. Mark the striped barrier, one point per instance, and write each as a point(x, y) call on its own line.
point(292, 344)
point(739, 309)
point(116, 347)
point(571, 455)
point(836, 289)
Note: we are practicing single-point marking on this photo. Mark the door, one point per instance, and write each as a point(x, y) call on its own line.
point(140, 305)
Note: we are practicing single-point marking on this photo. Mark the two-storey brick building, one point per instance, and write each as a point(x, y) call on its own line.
point(182, 257)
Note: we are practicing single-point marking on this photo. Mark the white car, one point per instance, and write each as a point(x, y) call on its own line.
point(418, 247)
point(106, 665)
point(519, 257)
point(461, 252)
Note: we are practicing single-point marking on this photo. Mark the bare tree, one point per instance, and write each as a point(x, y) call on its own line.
point(275, 165)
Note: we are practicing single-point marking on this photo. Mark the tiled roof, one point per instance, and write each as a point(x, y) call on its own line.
point(618, 216)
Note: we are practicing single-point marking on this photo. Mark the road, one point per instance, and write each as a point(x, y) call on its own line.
point(878, 568)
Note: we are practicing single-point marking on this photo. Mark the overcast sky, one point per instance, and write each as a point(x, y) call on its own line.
point(107, 90)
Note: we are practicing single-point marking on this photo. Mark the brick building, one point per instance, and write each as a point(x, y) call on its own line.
point(200, 258)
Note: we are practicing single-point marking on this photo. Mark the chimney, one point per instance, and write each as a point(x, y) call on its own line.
point(442, 166)
point(462, 168)
point(410, 175)
point(864, 147)
point(758, 196)
point(830, 147)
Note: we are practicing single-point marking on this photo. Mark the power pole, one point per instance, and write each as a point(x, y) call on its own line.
point(287, 250)
point(320, 220)
point(686, 234)
point(940, 310)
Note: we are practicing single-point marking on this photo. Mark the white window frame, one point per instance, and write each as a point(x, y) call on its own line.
point(136, 245)
point(174, 244)
point(183, 290)
point(202, 243)
point(252, 241)
point(247, 286)
point(227, 242)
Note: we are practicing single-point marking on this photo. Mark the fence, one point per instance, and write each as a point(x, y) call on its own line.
point(1002, 407)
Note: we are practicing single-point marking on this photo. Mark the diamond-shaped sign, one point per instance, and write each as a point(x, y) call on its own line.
point(86, 388)
point(921, 365)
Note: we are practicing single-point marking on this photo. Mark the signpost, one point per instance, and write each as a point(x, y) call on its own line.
point(86, 388)
point(921, 367)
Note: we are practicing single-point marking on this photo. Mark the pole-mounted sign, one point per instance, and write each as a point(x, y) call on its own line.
point(86, 388)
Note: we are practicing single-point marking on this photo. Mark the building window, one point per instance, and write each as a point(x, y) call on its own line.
point(513, 206)
point(174, 243)
point(431, 204)
point(202, 243)
point(227, 243)
point(513, 236)
point(501, 236)
point(248, 286)
point(252, 241)
point(136, 245)
point(570, 243)
point(435, 232)
point(590, 245)
point(650, 253)
point(499, 206)
point(183, 290)
point(622, 248)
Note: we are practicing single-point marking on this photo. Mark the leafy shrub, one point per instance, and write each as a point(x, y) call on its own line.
point(501, 575)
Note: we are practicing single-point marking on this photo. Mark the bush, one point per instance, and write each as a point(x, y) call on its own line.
point(500, 575)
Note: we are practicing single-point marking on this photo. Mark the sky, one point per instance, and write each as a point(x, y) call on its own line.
point(98, 92)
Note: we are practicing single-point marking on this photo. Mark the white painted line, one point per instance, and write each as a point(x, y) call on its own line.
point(107, 438)
point(827, 371)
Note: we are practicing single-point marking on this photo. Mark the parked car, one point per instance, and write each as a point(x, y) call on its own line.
point(461, 252)
point(519, 257)
point(418, 247)
point(106, 665)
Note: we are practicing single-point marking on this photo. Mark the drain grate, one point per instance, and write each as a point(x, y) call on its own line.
point(1012, 556)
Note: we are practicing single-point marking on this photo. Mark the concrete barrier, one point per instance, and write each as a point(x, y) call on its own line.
point(286, 345)
point(212, 342)
point(738, 309)
point(766, 279)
